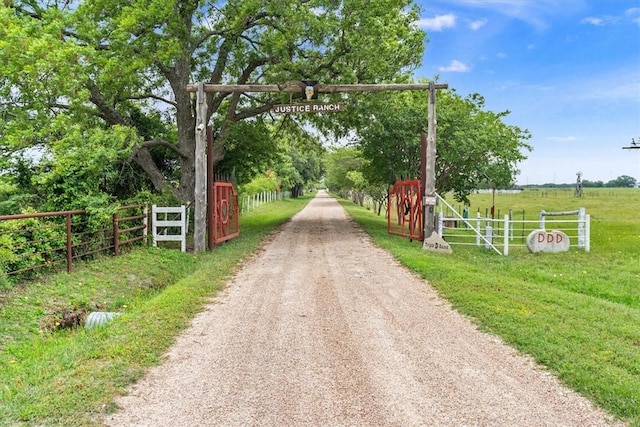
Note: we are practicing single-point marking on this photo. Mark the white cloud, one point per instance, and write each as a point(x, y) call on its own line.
point(634, 11)
point(569, 138)
point(633, 14)
point(476, 25)
point(455, 67)
point(533, 12)
point(439, 23)
point(619, 85)
point(501, 55)
point(600, 21)
point(592, 20)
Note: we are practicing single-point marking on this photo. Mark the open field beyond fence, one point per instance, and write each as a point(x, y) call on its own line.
point(615, 213)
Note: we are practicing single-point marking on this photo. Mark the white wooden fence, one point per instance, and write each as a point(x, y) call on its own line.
point(249, 202)
point(170, 224)
point(501, 234)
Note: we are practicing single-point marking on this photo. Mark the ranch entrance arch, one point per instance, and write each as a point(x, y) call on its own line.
point(307, 88)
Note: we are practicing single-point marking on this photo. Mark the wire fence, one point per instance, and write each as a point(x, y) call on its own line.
point(35, 242)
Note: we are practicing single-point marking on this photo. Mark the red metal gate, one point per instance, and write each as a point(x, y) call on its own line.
point(226, 215)
point(404, 210)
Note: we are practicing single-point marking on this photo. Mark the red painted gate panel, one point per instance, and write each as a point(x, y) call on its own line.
point(226, 215)
point(404, 211)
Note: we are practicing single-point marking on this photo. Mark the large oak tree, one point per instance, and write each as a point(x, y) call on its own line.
point(110, 76)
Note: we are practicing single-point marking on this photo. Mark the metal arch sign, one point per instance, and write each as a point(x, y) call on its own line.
point(307, 108)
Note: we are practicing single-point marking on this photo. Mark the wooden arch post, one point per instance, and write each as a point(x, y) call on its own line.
point(200, 191)
point(432, 240)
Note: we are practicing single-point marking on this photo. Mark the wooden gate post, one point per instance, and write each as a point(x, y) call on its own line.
point(432, 240)
point(430, 165)
point(200, 192)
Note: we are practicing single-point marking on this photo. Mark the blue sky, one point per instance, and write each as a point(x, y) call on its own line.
point(568, 70)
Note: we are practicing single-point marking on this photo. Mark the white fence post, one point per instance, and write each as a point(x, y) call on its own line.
point(587, 233)
point(581, 228)
point(507, 232)
point(488, 234)
point(478, 225)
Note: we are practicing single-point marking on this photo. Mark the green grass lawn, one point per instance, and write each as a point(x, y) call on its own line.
point(577, 313)
point(67, 377)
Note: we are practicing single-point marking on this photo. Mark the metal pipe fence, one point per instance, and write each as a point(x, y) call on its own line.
point(509, 232)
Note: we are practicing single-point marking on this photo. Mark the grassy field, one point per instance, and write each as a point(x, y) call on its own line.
point(52, 376)
point(577, 313)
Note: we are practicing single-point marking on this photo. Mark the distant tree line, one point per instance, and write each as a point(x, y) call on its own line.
point(623, 181)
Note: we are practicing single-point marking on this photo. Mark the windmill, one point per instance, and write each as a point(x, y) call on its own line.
point(635, 145)
point(578, 192)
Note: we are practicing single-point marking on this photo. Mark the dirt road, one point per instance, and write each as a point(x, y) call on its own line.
point(321, 328)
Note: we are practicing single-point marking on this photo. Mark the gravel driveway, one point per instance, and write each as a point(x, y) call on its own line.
point(321, 328)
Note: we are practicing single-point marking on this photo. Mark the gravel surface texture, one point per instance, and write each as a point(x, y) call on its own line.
point(321, 328)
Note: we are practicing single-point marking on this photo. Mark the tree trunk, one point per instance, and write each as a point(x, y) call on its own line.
point(297, 191)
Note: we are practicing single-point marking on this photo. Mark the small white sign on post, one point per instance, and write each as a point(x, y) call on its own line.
point(429, 201)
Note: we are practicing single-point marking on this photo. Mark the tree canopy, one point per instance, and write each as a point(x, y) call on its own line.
point(105, 81)
point(475, 147)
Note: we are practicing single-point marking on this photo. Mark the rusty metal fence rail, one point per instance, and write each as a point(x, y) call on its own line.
point(36, 242)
